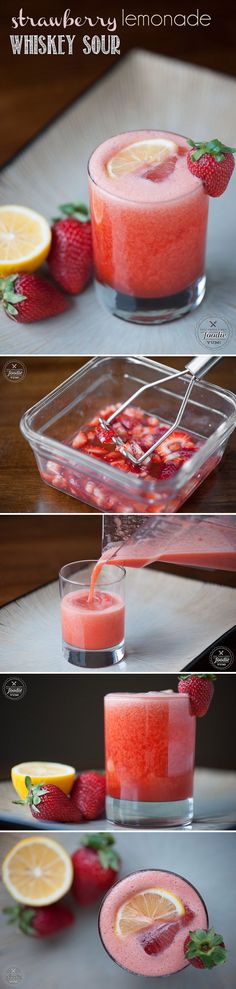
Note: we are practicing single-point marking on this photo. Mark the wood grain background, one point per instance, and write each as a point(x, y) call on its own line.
point(33, 549)
point(33, 89)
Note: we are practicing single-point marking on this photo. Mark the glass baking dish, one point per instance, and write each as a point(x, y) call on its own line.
point(50, 425)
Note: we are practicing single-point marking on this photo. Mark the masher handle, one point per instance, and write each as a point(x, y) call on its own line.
point(199, 366)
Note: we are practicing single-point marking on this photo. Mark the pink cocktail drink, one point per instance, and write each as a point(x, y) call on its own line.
point(149, 751)
point(93, 623)
point(149, 224)
point(145, 919)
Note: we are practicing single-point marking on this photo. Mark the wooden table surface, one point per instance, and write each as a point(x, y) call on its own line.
point(21, 489)
point(214, 806)
point(178, 619)
point(76, 956)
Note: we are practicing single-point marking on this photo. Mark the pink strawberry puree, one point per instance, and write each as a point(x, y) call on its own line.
point(99, 625)
point(128, 951)
point(148, 236)
point(149, 746)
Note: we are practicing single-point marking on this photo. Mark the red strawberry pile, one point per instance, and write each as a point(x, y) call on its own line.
point(28, 297)
point(86, 800)
point(96, 865)
point(200, 690)
point(138, 431)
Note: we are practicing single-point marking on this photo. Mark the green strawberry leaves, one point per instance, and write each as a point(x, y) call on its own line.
point(22, 916)
point(207, 946)
point(34, 794)
point(78, 210)
point(103, 845)
point(8, 295)
point(203, 676)
point(214, 148)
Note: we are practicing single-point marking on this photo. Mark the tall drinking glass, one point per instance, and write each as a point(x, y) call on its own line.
point(149, 750)
point(93, 627)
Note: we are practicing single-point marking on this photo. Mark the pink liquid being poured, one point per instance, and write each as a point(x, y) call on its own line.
point(209, 546)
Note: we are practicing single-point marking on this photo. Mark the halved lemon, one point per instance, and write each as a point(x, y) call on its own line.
point(37, 871)
point(146, 907)
point(130, 158)
point(25, 239)
point(42, 772)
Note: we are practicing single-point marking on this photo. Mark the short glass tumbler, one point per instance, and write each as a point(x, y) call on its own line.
point(149, 236)
point(93, 630)
point(149, 751)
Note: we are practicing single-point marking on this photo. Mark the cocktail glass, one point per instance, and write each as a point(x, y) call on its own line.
point(149, 237)
point(183, 910)
point(149, 751)
point(92, 629)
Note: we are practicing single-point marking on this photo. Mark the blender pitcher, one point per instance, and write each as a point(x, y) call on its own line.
point(205, 541)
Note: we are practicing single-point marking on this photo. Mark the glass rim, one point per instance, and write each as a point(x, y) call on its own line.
point(147, 695)
point(81, 583)
point(141, 202)
point(129, 875)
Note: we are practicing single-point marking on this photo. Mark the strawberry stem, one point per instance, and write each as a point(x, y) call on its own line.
point(77, 210)
point(204, 676)
point(103, 845)
point(214, 148)
point(22, 916)
point(206, 946)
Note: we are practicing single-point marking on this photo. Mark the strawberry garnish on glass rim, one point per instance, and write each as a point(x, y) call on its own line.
point(213, 163)
point(200, 689)
point(205, 949)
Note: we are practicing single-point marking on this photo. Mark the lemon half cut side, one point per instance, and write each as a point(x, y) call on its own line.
point(37, 871)
point(25, 239)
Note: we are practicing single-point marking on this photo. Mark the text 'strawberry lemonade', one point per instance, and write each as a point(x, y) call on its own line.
point(145, 918)
point(92, 624)
point(149, 751)
point(149, 223)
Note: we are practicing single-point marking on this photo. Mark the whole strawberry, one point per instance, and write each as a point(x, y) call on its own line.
point(40, 921)
point(213, 162)
point(28, 298)
point(70, 258)
point(200, 690)
point(88, 794)
point(48, 803)
point(205, 949)
point(96, 866)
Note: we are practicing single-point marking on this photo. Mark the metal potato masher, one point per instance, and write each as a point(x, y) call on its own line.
point(197, 368)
